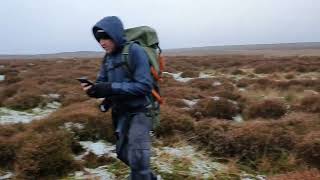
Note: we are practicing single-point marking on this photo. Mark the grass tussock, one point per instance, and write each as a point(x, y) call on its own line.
point(249, 141)
point(25, 101)
point(267, 108)
point(221, 108)
point(93, 161)
point(267, 146)
point(173, 122)
point(96, 125)
point(311, 174)
point(310, 103)
point(309, 148)
point(43, 155)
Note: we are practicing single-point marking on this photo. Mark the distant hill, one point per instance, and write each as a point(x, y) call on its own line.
point(63, 55)
point(283, 49)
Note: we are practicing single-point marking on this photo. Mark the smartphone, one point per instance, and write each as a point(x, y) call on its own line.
point(85, 80)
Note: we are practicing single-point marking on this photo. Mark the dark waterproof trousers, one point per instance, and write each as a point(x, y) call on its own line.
point(134, 143)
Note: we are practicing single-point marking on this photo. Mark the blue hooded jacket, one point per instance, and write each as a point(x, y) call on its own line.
point(129, 88)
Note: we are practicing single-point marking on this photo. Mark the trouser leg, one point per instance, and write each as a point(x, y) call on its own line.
point(139, 144)
point(121, 124)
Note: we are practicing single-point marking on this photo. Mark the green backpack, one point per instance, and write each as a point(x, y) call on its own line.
point(147, 38)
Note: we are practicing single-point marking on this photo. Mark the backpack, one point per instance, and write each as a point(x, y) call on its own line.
point(147, 38)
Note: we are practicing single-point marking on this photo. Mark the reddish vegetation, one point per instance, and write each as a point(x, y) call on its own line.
point(286, 142)
point(311, 103)
point(312, 174)
point(43, 155)
point(221, 108)
point(174, 121)
point(309, 148)
point(268, 108)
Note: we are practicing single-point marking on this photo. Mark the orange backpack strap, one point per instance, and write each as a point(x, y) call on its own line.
point(157, 96)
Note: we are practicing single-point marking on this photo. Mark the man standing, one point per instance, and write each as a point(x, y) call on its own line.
point(126, 92)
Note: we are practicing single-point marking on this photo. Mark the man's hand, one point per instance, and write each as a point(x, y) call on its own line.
point(85, 86)
point(99, 90)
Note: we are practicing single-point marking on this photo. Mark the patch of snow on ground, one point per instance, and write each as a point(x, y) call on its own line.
point(71, 125)
point(11, 116)
point(190, 103)
point(8, 175)
point(216, 83)
point(204, 75)
point(52, 96)
point(99, 148)
point(201, 165)
point(100, 173)
point(2, 77)
point(238, 118)
point(253, 177)
point(216, 98)
point(177, 77)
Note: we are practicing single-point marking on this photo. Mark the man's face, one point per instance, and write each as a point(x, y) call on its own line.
point(108, 45)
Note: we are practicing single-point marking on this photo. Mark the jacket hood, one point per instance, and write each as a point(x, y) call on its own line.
point(113, 26)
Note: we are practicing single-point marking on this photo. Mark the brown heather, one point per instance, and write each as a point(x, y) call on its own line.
point(285, 143)
point(310, 103)
point(267, 108)
point(312, 174)
point(221, 108)
point(43, 155)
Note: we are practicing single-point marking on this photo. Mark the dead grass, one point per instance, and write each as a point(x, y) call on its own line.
point(266, 108)
point(172, 122)
point(221, 108)
point(310, 103)
point(274, 146)
point(309, 148)
point(312, 174)
point(96, 125)
point(43, 155)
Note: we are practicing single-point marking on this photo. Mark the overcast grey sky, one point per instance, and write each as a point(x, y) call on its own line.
point(40, 26)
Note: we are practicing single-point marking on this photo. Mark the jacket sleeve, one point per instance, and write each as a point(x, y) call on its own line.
point(102, 75)
point(142, 80)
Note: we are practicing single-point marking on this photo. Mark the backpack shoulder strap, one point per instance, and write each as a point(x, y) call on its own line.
point(126, 58)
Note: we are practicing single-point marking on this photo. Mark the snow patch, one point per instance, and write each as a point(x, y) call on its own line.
point(190, 103)
point(201, 166)
point(253, 177)
point(204, 75)
point(100, 173)
point(238, 118)
point(216, 83)
point(8, 116)
point(177, 76)
point(98, 148)
point(70, 125)
point(52, 96)
point(216, 98)
point(2, 77)
point(8, 175)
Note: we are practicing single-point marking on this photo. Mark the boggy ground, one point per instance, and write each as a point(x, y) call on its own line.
point(253, 114)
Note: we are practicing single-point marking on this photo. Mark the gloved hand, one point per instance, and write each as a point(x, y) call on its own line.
point(100, 90)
